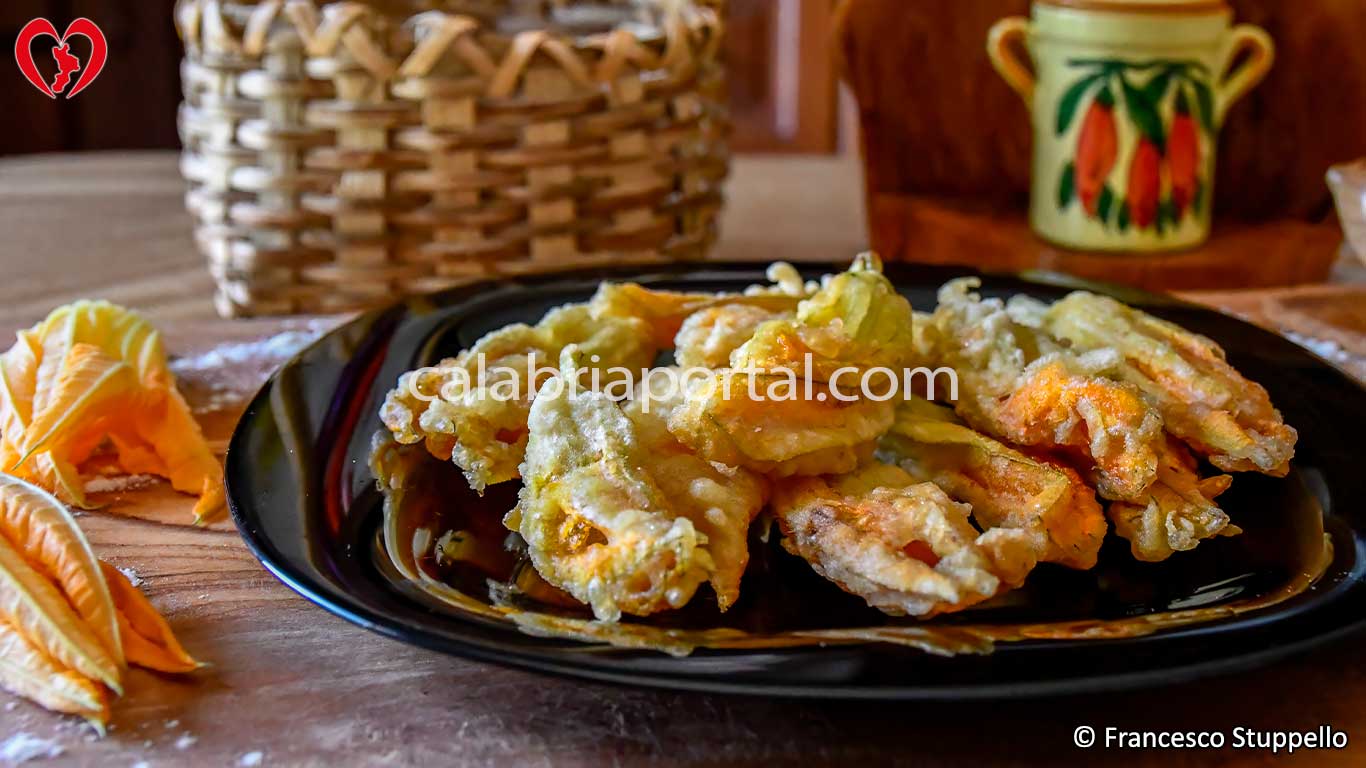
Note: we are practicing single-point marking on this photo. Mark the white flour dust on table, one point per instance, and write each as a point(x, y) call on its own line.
point(225, 375)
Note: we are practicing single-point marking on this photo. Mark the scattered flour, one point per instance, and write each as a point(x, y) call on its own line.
point(10, 705)
point(185, 741)
point(116, 483)
point(131, 575)
point(250, 759)
point(142, 764)
point(23, 747)
point(1325, 348)
point(224, 376)
point(171, 724)
point(279, 347)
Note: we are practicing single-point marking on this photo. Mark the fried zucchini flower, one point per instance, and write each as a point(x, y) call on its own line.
point(773, 413)
point(665, 311)
point(905, 547)
point(709, 336)
point(616, 513)
point(1005, 487)
point(1018, 385)
point(720, 500)
point(856, 320)
point(1202, 399)
point(768, 424)
point(481, 423)
point(1179, 511)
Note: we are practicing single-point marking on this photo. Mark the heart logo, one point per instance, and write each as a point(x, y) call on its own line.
point(67, 63)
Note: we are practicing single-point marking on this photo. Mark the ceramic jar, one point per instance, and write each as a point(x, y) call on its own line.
point(1127, 98)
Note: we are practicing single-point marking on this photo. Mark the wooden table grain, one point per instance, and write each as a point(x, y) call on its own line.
point(302, 687)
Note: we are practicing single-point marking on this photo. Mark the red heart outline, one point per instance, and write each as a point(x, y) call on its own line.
point(82, 27)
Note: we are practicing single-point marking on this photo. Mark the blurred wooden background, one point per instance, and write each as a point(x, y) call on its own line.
point(782, 83)
point(938, 124)
point(937, 118)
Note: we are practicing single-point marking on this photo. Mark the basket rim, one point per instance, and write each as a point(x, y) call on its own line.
point(696, 15)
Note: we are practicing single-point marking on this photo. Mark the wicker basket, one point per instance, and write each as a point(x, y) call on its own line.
point(343, 154)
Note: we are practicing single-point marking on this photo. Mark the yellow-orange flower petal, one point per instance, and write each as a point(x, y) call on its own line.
point(162, 438)
point(43, 531)
point(147, 638)
point(18, 377)
point(136, 456)
point(26, 671)
point(94, 371)
point(31, 603)
point(119, 333)
point(89, 385)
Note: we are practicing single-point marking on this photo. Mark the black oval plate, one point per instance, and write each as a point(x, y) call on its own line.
point(304, 500)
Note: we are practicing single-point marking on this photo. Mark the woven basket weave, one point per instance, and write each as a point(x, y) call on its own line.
point(342, 154)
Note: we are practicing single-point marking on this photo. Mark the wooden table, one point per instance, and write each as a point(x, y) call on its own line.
point(305, 688)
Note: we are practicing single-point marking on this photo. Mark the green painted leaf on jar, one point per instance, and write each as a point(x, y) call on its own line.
point(1166, 216)
point(1067, 186)
point(1156, 88)
point(1104, 204)
point(1204, 97)
point(1071, 99)
point(1144, 115)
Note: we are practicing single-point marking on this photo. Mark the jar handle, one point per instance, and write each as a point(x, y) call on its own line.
point(1231, 86)
point(1003, 43)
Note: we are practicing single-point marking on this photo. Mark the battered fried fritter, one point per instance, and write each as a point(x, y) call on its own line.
point(903, 546)
point(856, 320)
point(721, 501)
point(747, 420)
point(665, 311)
point(1179, 512)
point(709, 336)
point(613, 511)
point(772, 413)
point(1017, 384)
point(630, 505)
point(1202, 399)
point(1006, 488)
point(481, 425)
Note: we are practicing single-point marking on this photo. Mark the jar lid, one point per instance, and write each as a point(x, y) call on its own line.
point(1141, 6)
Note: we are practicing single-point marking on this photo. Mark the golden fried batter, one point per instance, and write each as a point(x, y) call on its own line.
point(630, 504)
point(483, 429)
point(1016, 384)
point(665, 311)
point(613, 511)
point(721, 501)
point(1202, 399)
point(709, 336)
point(856, 320)
point(903, 546)
point(481, 425)
point(749, 421)
point(1179, 511)
point(1006, 488)
point(773, 414)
